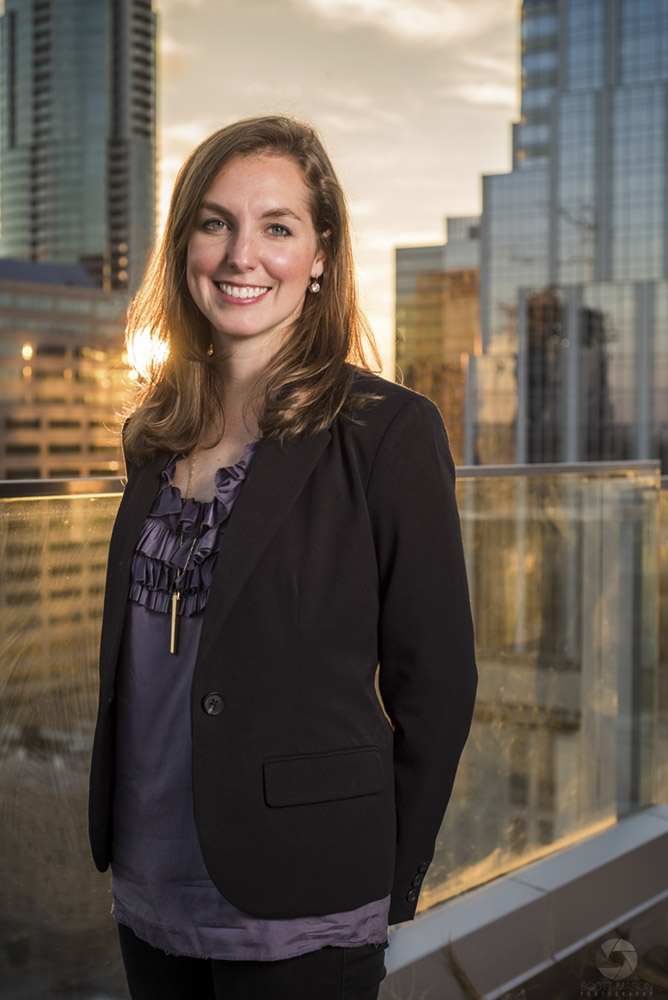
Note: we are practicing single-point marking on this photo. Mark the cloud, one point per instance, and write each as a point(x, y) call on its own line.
point(490, 94)
point(183, 134)
point(422, 22)
point(169, 45)
point(431, 21)
point(365, 107)
point(498, 65)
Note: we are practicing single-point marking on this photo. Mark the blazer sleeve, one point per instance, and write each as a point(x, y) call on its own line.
point(427, 664)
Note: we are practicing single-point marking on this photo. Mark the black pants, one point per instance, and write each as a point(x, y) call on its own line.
point(327, 974)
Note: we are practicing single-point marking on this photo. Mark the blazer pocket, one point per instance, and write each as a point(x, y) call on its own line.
point(322, 777)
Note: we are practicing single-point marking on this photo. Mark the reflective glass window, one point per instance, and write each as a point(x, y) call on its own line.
point(584, 47)
point(543, 26)
point(637, 183)
point(576, 220)
point(644, 41)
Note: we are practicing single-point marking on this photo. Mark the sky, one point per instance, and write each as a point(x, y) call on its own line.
point(414, 100)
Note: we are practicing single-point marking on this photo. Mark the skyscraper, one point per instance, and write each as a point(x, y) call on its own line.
point(438, 321)
point(78, 135)
point(574, 245)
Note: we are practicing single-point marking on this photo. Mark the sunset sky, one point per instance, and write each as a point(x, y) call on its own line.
point(414, 99)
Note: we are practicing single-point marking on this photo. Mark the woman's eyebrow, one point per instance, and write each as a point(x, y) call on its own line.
point(272, 213)
point(212, 206)
point(275, 213)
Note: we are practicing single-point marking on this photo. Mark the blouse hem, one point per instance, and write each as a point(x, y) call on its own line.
point(150, 934)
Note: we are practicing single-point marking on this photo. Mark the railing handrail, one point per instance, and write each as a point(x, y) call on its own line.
point(648, 465)
point(14, 489)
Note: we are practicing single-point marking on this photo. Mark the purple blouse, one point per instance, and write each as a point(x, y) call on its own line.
point(161, 887)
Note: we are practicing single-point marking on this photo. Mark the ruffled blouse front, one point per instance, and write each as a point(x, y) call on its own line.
point(180, 540)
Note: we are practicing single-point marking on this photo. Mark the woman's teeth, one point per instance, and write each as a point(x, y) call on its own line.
point(241, 292)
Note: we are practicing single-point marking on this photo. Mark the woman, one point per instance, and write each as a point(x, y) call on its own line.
point(288, 524)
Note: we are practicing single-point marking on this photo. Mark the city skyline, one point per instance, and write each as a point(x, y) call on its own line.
point(414, 101)
point(571, 360)
point(574, 246)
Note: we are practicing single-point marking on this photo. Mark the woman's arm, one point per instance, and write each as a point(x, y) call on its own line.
point(427, 664)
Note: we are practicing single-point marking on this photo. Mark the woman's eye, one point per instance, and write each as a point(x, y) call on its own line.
point(276, 229)
point(213, 225)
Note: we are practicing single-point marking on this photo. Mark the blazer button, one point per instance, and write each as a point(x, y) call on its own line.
point(212, 703)
point(412, 895)
point(423, 867)
point(419, 878)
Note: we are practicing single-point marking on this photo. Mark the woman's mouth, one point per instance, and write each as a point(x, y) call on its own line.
point(241, 293)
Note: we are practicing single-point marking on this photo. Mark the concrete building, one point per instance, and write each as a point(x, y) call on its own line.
point(78, 135)
point(64, 378)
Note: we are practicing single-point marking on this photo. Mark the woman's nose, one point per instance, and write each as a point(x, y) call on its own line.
point(241, 252)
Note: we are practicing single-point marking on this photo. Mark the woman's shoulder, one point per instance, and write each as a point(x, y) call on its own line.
point(392, 424)
point(398, 434)
point(385, 400)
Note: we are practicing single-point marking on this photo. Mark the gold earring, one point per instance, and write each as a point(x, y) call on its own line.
point(209, 350)
point(314, 286)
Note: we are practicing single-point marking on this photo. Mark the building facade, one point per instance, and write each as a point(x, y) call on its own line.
point(78, 135)
point(438, 321)
point(64, 377)
point(574, 245)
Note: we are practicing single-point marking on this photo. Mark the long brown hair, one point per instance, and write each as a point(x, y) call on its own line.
point(311, 378)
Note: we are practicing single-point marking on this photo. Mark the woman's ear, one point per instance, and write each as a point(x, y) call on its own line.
point(321, 256)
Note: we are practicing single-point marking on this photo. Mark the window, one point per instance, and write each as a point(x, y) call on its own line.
point(22, 423)
point(64, 449)
point(22, 449)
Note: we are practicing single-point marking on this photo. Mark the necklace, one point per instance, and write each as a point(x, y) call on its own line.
point(176, 593)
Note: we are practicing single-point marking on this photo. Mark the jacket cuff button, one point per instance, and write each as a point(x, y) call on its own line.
point(419, 878)
point(412, 895)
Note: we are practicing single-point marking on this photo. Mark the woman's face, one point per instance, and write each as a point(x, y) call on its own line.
point(253, 251)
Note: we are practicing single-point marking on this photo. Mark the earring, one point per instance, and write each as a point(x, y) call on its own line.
point(314, 286)
point(209, 350)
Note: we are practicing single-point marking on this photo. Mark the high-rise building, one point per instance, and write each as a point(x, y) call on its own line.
point(64, 378)
point(437, 317)
point(78, 135)
point(574, 245)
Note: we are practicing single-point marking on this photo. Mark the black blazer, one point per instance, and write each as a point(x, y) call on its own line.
point(343, 551)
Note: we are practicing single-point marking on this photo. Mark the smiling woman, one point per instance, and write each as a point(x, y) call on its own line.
point(180, 393)
point(288, 524)
point(254, 252)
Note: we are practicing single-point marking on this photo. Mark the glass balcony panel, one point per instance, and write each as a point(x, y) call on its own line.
point(56, 935)
point(564, 584)
point(563, 577)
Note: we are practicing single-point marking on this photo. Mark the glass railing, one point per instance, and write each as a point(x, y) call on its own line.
point(56, 938)
point(565, 584)
point(564, 575)
point(661, 758)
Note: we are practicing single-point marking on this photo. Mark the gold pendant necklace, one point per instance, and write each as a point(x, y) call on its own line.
point(176, 593)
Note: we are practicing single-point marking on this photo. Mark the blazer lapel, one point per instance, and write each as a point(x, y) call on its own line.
point(276, 477)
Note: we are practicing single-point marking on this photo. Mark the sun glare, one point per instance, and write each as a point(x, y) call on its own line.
point(146, 356)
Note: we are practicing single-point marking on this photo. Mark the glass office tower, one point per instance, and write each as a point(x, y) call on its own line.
point(78, 135)
point(574, 245)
